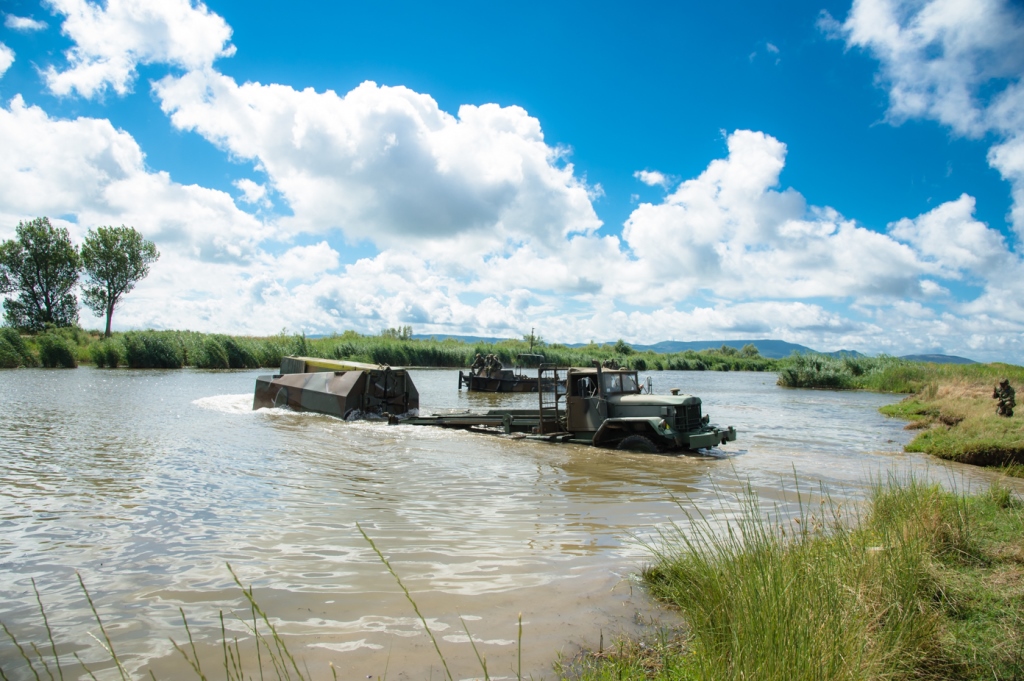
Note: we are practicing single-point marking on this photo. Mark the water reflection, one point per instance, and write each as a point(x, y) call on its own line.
point(148, 482)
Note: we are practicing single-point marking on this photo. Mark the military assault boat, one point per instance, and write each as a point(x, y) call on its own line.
point(502, 380)
point(338, 388)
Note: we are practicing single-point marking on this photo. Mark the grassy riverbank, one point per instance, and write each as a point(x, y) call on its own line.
point(925, 583)
point(955, 414)
point(950, 404)
point(176, 349)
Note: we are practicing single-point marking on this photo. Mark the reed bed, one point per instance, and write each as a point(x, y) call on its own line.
point(176, 349)
point(879, 374)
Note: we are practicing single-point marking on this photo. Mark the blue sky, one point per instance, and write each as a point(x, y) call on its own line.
point(831, 174)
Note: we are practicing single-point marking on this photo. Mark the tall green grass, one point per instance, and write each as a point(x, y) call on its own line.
point(909, 589)
point(175, 349)
point(881, 374)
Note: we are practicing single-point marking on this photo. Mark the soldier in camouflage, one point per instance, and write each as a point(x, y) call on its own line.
point(494, 366)
point(1005, 394)
point(477, 366)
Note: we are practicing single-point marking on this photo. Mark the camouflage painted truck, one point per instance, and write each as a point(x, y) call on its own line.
point(601, 407)
point(607, 408)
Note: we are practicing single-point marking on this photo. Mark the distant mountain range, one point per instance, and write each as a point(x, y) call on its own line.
point(939, 359)
point(773, 349)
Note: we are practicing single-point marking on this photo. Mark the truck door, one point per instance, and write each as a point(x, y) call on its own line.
point(586, 410)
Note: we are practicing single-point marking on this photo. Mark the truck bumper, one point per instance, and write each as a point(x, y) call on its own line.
point(707, 438)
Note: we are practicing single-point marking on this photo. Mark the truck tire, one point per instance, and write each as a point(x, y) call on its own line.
point(638, 443)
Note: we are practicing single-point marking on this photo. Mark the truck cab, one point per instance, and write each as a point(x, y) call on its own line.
point(611, 408)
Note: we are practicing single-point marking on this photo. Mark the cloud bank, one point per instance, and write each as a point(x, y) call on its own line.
point(478, 224)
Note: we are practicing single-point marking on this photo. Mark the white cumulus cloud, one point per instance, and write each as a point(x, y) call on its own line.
point(111, 39)
point(958, 62)
point(252, 192)
point(733, 232)
point(652, 178)
point(950, 236)
point(25, 24)
point(385, 164)
point(6, 58)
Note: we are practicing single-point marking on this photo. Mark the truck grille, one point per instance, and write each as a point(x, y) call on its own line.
point(688, 418)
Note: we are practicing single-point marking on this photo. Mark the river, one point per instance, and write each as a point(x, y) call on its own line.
point(148, 483)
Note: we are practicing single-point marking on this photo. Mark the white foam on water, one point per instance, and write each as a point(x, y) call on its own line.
point(348, 646)
point(228, 404)
point(462, 638)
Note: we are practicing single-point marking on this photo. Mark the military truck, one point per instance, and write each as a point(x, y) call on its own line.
point(601, 407)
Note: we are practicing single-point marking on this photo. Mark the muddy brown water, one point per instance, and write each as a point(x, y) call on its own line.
point(148, 483)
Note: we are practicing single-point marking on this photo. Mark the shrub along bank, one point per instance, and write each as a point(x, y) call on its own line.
point(925, 584)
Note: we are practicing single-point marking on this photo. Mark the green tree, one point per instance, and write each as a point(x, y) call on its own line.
point(623, 348)
point(403, 333)
point(114, 260)
point(41, 267)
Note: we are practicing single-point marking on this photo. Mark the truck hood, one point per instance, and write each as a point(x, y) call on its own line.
point(655, 400)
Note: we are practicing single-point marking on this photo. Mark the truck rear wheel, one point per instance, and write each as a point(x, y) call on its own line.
point(638, 443)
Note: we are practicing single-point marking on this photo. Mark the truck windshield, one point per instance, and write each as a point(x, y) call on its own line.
point(629, 383)
point(620, 383)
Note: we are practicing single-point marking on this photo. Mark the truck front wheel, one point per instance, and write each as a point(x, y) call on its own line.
point(638, 443)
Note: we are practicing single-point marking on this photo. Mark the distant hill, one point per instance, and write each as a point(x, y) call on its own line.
point(939, 359)
point(773, 349)
point(464, 339)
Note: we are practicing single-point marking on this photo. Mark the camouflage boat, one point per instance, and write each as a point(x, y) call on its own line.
point(502, 380)
point(337, 388)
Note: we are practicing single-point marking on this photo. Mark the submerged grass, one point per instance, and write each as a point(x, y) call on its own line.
point(927, 583)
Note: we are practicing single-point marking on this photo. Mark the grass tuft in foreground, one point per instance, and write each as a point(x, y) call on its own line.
point(926, 584)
